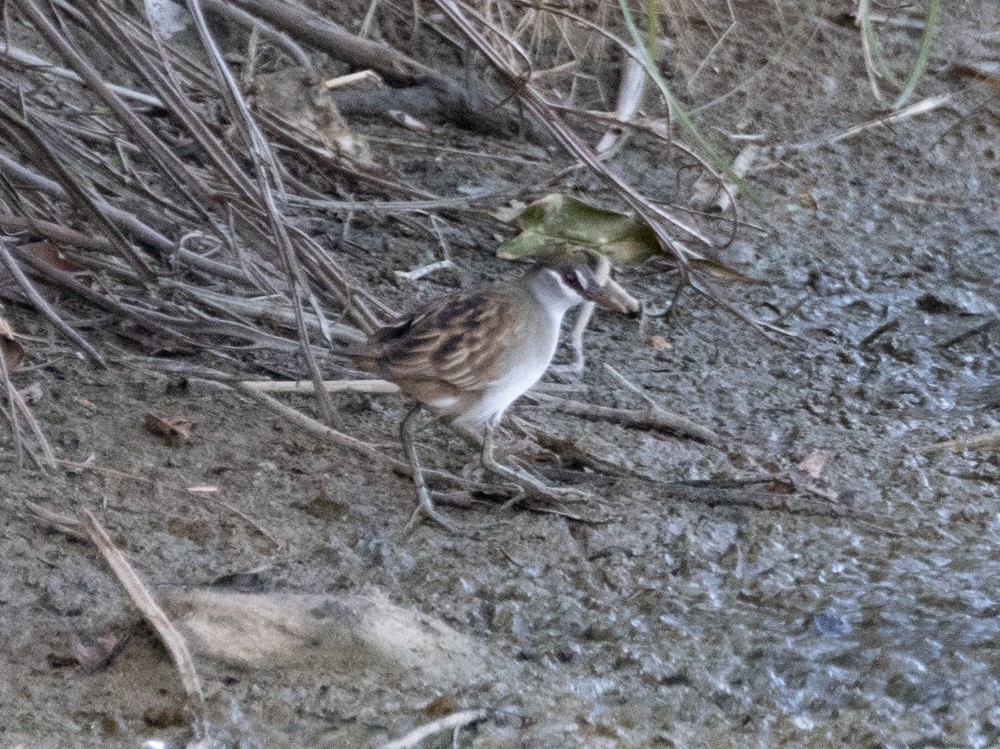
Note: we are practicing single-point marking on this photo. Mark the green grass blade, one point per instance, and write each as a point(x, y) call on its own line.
point(930, 31)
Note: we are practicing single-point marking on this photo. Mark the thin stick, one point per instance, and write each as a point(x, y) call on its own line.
point(985, 441)
point(31, 60)
point(417, 273)
point(657, 416)
point(339, 438)
point(651, 419)
point(921, 107)
point(145, 602)
point(310, 424)
point(629, 385)
point(448, 722)
point(277, 37)
point(62, 523)
point(44, 307)
point(351, 79)
point(457, 100)
point(331, 386)
point(18, 404)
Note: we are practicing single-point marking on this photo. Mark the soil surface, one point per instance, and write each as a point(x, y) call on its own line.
point(860, 610)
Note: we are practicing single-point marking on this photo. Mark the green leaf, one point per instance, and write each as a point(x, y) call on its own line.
point(560, 222)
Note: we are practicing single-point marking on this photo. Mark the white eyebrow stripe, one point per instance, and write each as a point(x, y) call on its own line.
point(569, 292)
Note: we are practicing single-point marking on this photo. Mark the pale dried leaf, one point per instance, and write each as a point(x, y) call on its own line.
point(812, 465)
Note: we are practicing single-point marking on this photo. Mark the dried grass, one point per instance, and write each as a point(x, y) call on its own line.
point(179, 206)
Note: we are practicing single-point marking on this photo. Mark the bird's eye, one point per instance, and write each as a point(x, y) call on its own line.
point(572, 279)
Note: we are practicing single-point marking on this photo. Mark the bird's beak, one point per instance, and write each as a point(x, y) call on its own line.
point(613, 297)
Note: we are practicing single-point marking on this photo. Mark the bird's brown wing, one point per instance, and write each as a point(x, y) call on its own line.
point(458, 340)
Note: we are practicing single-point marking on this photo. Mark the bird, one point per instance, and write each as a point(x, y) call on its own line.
point(468, 355)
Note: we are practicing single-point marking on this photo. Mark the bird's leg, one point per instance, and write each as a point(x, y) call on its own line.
point(575, 367)
point(527, 483)
point(425, 506)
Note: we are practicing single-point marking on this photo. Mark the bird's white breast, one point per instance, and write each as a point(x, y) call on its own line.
point(526, 364)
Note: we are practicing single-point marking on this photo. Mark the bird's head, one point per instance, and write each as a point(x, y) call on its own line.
point(568, 279)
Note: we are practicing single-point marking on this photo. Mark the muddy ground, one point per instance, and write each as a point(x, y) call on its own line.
point(670, 623)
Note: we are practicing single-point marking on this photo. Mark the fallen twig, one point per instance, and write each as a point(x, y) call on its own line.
point(265, 29)
point(983, 396)
point(331, 386)
point(31, 60)
point(88, 527)
point(310, 424)
point(921, 107)
point(145, 602)
point(980, 329)
point(453, 722)
point(887, 327)
point(19, 405)
point(453, 100)
point(63, 523)
point(652, 418)
point(7, 260)
point(985, 441)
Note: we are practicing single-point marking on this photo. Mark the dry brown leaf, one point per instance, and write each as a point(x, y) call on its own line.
point(446, 704)
point(980, 71)
point(11, 351)
point(50, 254)
point(806, 200)
point(659, 343)
point(171, 427)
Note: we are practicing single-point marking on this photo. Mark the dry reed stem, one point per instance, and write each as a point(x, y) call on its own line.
point(340, 439)
point(538, 105)
point(153, 614)
point(18, 405)
point(985, 441)
point(44, 307)
point(653, 418)
point(328, 434)
point(331, 386)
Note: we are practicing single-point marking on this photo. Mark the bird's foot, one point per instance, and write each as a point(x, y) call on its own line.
point(425, 509)
point(531, 487)
point(561, 494)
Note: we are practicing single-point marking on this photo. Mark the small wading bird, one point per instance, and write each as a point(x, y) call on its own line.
point(467, 356)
